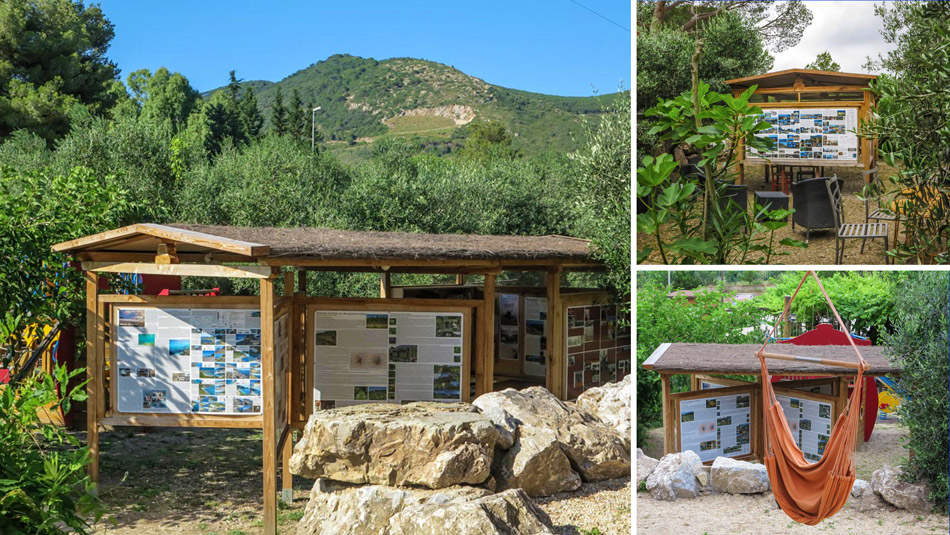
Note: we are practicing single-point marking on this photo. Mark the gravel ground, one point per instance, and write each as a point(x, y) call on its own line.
point(755, 514)
point(821, 243)
point(208, 482)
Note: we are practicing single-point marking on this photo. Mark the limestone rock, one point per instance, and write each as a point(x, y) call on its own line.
point(911, 496)
point(860, 488)
point(507, 513)
point(645, 465)
point(675, 477)
point(703, 475)
point(344, 509)
point(434, 445)
point(536, 465)
point(738, 477)
point(595, 450)
point(610, 404)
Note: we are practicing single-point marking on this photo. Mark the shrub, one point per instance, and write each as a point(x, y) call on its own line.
point(919, 344)
point(44, 489)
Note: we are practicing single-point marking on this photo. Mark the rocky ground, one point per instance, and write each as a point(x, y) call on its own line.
point(758, 513)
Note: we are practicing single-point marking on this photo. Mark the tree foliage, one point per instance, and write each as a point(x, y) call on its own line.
point(52, 58)
point(824, 63)
point(919, 344)
point(163, 97)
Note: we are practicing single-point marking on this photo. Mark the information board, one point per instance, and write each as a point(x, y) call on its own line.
point(362, 356)
point(535, 339)
point(187, 360)
point(509, 326)
point(598, 347)
point(716, 425)
point(810, 422)
point(810, 134)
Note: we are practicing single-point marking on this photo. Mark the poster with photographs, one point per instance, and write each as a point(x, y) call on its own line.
point(810, 134)
point(386, 356)
point(508, 327)
point(188, 360)
point(535, 340)
point(716, 426)
point(598, 347)
point(809, 421)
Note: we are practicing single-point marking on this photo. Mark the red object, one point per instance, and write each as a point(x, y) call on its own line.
point(826, 335)
point(157, 284)
point(4, 376)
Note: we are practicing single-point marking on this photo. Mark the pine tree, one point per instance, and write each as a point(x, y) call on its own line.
point(250, 114)
point(278, 114)
point(296, 118)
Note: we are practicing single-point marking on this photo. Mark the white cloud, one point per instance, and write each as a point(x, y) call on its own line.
point(848, 30)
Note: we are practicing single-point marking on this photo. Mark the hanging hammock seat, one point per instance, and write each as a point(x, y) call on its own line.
point(810, 492)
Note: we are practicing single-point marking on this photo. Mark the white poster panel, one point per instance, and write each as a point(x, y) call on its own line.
point(810, 134)
point(362, 356)
point(810, 424)
point(716, 426)
point(535, 341)
point(181, 360)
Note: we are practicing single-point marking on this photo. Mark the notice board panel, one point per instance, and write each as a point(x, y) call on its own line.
point(716, 422)
point(810, 134)
point(810, 418)
point(177, 360)
point(598, 347)
point(387, 355)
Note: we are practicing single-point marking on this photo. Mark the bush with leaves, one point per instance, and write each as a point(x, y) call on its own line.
point(714, 318)
point(44, 489)
point(919, 344)
point(684, 214)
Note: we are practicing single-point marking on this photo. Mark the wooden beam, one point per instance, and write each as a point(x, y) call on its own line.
point(287, 446)
point(181, 270)
point(148, 258)
point(556, 363)
point(196, 301)
point(167, 253)
point(460, 279)
point(92, 374)
point(169, 233)
point(485, 346)
point(385, 285)
point(268, 406)
point(668, 418)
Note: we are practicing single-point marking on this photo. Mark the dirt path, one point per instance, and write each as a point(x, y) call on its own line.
point(208, 482)
point(727, 514)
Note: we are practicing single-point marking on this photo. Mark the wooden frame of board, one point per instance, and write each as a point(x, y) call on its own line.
point(464, 307)
point(755, 414)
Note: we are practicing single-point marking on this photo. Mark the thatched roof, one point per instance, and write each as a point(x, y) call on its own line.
point(741, 359)
point(328, 245)
point(811, 78)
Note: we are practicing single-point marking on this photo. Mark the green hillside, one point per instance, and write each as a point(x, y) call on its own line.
point(365, 98)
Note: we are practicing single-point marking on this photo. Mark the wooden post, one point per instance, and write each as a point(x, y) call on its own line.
point(485, 348)
point(92, 373)
point(286, 478)
point(556, 364)
point(842, 395)
point(385, 285)
point(787, 324)
point(460, 279)
point(668, 418)
point(270, 441)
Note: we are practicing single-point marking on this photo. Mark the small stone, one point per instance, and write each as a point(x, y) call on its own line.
point(859, 488)
point(738, 477)
point(675, 477)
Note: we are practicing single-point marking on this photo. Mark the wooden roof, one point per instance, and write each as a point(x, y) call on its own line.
point(286, 245)
point(741, 359)
point(810, 77)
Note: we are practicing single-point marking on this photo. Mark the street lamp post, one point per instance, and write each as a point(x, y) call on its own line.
point(313, 130)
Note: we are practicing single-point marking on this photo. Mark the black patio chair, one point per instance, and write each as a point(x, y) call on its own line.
point(811, 203)
point(852, 231)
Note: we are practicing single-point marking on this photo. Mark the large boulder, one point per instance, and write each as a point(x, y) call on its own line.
point(507, 513)
point(645, 465)
point(596, 451)
point(610, 404)
point(535, 464)
point(434, 445)
point(911, 496)
point(345, 509)
point(738, 477)
point(675, 476)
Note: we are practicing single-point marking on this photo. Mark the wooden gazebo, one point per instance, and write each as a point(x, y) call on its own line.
point(819, 400)
point(248, 361)
point(813, 114)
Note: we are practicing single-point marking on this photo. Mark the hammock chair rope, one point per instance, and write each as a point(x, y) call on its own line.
point(810, 492)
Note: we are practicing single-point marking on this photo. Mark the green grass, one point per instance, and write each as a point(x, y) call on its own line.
point(417, 125)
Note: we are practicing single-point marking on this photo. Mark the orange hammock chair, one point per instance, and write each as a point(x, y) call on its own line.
point(810, 492)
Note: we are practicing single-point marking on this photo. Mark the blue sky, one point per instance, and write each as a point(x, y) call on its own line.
point(554, 46)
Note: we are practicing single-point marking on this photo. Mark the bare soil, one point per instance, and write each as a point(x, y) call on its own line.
point(756, 514)
point(209, 482)
point(821, 243)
